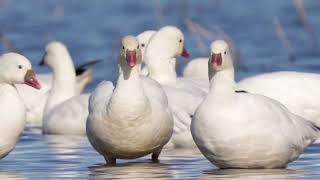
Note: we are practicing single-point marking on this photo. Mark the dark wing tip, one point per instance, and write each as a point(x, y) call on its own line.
point(241, 91)
point(80, 69)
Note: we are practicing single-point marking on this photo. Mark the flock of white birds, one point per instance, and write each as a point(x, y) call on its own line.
point(265, 121)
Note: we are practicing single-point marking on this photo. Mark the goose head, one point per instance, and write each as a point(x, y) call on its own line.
point(168, 42)
point(130, 55)
point(17, 69)
point(55, 55)
point(143, 39)
point(220, 56)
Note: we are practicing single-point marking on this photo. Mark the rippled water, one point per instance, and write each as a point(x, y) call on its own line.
point(91, 29)
point(72, 157)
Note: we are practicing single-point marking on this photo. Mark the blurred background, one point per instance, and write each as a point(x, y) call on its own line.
point(267, 35)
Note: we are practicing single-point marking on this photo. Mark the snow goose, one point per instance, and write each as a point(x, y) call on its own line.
point(184, 95)
point(61, 114)
point(35, 100)
point(237, 129)
point(143, 39)
point(64, 77)
point(298, 91)
point(14, 69)
point(132, 120)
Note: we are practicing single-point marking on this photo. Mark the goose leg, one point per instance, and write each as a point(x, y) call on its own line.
point(111, 160)
point(155, 155)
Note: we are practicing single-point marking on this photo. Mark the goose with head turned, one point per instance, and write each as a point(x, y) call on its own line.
point(184, 95)
point(133, 120)
point(236, 129)
point(35, 100)
point(14, 69)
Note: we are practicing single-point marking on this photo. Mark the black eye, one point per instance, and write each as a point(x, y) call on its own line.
point(20, 66)
point(225, 52)
point(180, 40)
point(122, 47)
point(142, 45)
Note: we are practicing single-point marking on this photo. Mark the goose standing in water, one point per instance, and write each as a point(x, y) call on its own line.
point(14, 69)
point(236, 129)
point(133, 120)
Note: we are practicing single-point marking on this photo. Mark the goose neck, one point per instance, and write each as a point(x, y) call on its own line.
point(222, 82)
point(128, 96)
point(162, 70)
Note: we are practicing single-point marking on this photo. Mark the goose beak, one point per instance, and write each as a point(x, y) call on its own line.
point(131, 58)
point(185, 53)
point(216, 59)
point(30, 79)
point(41, 63)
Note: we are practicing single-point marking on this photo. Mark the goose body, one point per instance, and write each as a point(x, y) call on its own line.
point(237, 129)
point(132, 120)
point(298, 91)
point(14, 69)
point(68, 117)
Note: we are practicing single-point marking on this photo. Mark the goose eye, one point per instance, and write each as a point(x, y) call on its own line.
point(142, 45)
point(138, 47)
point(225, 52)
point(180, 40)
point(122, 47)
point(20, 66)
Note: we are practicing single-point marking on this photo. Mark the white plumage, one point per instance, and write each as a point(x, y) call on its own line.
point(299, 92)
point(244, 130)
point(14, 69)
point(132, 120)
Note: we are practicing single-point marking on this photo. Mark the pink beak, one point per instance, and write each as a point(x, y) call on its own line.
point(131, 58)
point(30, 80)
point(185, 53)
point(216, 59)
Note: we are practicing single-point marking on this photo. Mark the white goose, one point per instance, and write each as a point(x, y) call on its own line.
point(132, 120)
point(296, 90)
point(243, 130)
point(64, 112)
point(184, 95)
point(14, 69)
point(143, 39)
point(35, 100)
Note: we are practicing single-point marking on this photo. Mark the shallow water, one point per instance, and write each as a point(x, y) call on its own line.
point(91, 29)
point(72, 157)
